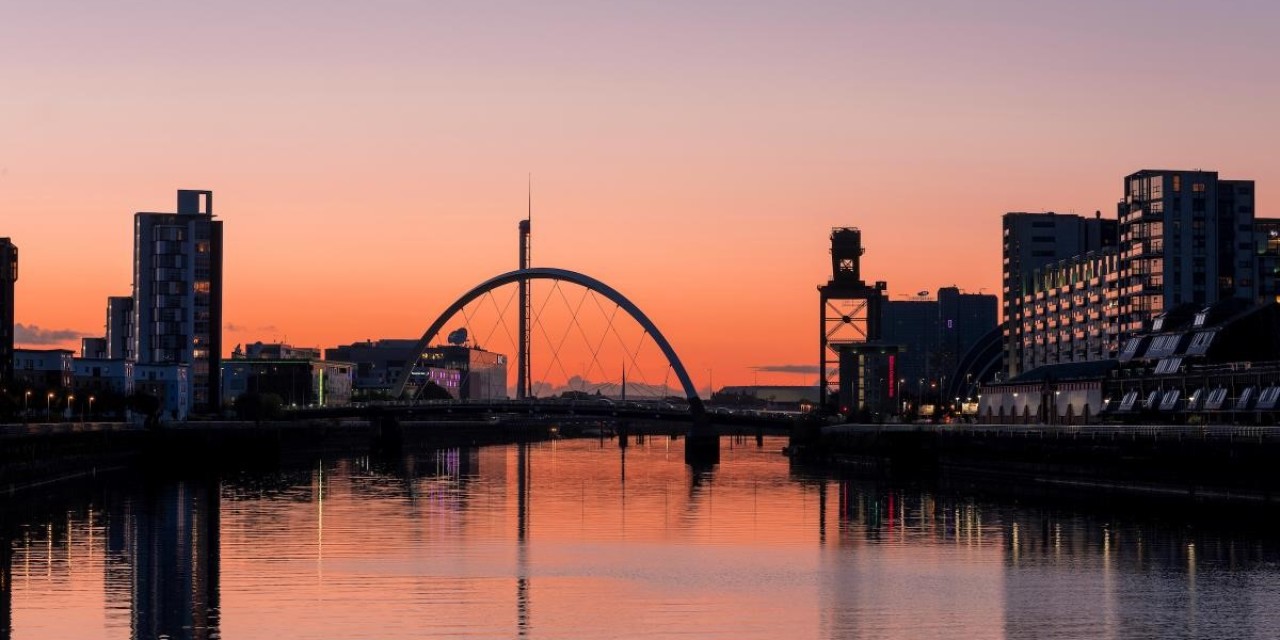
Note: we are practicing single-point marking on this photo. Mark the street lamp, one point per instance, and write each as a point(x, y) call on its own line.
point(90, 410)
point(26, 405)
point(48, 407)
point(70, 398)
point(902, 402)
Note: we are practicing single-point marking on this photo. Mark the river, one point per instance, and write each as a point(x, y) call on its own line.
point(586, 539)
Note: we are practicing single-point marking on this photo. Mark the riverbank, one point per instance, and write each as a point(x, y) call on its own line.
point(1221, 463)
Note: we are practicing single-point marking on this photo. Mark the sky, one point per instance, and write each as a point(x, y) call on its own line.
point(369, 160)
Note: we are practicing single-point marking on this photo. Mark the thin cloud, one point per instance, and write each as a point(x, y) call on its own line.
point(32, 334)
point(807, 369)
point(232, 327)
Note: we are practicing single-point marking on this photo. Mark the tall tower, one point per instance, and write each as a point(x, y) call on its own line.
point(8, 276)
point(849, 314)
point(524, 381)
point(177, 290)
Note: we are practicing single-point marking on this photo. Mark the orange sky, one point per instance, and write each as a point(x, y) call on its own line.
point(369, 161)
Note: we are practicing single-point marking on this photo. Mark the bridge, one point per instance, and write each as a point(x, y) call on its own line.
point(601, 409)
point(702, 446)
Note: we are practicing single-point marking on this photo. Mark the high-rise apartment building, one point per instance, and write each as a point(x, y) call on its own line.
point(177, 292)
point(1185, 237)
point(1032, 241)
point(8, 276)
point(120, 328)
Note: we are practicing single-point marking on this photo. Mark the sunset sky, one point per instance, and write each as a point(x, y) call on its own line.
point(369, 159)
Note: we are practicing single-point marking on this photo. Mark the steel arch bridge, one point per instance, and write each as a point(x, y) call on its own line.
point(562, 275)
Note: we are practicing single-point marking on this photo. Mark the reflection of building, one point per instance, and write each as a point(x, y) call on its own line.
point(42, 368)
point(171, 540)
point(8, 276)
point(177, 280)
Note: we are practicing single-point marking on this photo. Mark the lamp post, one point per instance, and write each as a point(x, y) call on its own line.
point(70, 397)
point(26, 405)
point(902, 402)
point(48, 407)
point(90, 410)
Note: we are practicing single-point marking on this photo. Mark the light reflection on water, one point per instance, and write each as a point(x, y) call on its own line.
point(580, 538)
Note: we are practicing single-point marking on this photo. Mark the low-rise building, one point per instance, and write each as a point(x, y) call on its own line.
point(169, 384)
point(297, 382)
point(42, 369)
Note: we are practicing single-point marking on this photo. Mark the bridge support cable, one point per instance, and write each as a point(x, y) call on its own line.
point(575, 278)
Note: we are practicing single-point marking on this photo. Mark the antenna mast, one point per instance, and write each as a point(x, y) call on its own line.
point(524, 381)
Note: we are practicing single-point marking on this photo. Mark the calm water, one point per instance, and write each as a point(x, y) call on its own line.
point(574, 539)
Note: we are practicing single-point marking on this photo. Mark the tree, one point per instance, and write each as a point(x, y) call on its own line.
point(148, 406)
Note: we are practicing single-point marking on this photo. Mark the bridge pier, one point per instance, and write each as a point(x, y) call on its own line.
point(702, 445)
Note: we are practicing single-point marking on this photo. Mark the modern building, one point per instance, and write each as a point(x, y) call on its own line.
point(932, 334)
point(482, 374)
point(1208, 364)
point(1070, 312)
point(102, 376)
point(1266, 243)
point(168, 383)
point(466, 373)
point(8, 276)
point(378, 363)
point(93, 348)
point(298, 382)
point(42, 369)
point(277, 351)
point(177, 281)
point(1031, 241)
point(120, 328)
point(1185, 237)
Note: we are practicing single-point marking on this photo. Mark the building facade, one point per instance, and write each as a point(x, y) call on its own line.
point(378, 363)
point(1031, 241)
point(933, 334)
point(42, 369)
point(302, 382)
point(177, 280)
point(1185, 237)
point(1071, 312)
point(8, 276)
point(120, 328)
point(482, 374)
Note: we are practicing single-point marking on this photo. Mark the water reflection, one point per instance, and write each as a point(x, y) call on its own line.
point(627, 541)
point(148, 551)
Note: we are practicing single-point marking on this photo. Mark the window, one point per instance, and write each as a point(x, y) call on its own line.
point(1197, 187)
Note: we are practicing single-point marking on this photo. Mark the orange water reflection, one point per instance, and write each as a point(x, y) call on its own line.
point(582, 538)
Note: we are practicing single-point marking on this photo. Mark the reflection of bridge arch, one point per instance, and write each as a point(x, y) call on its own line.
point(563, 275)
